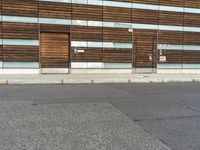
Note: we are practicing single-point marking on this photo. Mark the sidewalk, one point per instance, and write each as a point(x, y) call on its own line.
point(97, 78)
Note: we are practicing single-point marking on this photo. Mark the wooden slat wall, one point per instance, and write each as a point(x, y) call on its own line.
point(20, 8)
point(84, 12)
point(192, 3)
point(140, 38)
point(116, 14)
point(90, 55)
point(54, 28)
point(1, 33)
point(85, 33)
point(146, 1)
point(21, 53)
point(144, 16)
point(171, 18)
point(20, 31)
point(173, 56)
point(54, 10)
point(145, 44)
point(180, 3)
point(54, 50)
point(117, 55)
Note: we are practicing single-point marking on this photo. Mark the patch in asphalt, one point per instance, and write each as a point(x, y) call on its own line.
point(70, 126)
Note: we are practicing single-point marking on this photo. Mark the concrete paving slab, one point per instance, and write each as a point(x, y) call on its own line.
point(179, 133)
point(153, 109)
point(34, 81)
point(99, 78)
point(82, 126)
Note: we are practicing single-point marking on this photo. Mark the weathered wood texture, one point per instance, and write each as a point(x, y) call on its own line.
point(90, 55)
point(21, 53)
point(54, 50)
point(144, 41)
point(145, 49)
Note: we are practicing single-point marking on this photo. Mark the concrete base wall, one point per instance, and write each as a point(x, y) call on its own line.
point(178, 71)
point(55, 70)
point(90, 71)
point(98, 71)
point(19, 71)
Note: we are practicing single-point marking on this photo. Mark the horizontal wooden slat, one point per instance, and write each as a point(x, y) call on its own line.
point(20, 30)
point(54, 10)
point(85, 33)
point(54, 50)
point(116, 14)
point(54, 28)
point(21, 53)
point(89, 55)
point(116, 35)
point(20, 7)
point(117, 55)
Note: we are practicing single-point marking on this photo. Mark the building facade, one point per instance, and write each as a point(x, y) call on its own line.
point(100, 36)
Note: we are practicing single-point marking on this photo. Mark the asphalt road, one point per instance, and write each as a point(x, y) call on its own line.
point(170, 112)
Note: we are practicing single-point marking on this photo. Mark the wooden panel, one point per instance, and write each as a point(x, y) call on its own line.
point(192, 3)
point(172, 2)
point(191, 38)
point(146, 1)
point(170, 37)
point(171, 18)
point(54, 50)
point(116, 35)
point(117, 55)
point(90, 55)
point(144, 16)
point(191, 20)
point(84, 33)
point(84, 12)
point(20, 7)
point(20, 30)
point(173, 56)
point(54, 10)
point(0, 6)
point(124, 1)
point(54, 28)
point(21, 53)
point(117, 14)
point(145, 45)
point(1, 52)
point(191, 56)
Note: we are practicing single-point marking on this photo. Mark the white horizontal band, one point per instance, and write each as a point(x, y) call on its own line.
point(19, 42)
point(100, 44)
point(178, 47)
point(130, 5)
point(98, 23)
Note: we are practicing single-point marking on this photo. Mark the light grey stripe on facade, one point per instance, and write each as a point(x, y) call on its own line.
point(100, 44)
point(19, 19)
point(177, 66)
point(130, 5)
point(99, 23)
point(19, 42)
point(55, 21)
point(100, 65)
point(21, 65)
point(1, 64)
point(178, 47)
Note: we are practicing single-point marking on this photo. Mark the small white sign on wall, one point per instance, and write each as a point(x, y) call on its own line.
point(80, 50)
point(130, 30)
point(163, 58)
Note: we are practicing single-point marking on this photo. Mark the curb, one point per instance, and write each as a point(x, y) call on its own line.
point(96, 81)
